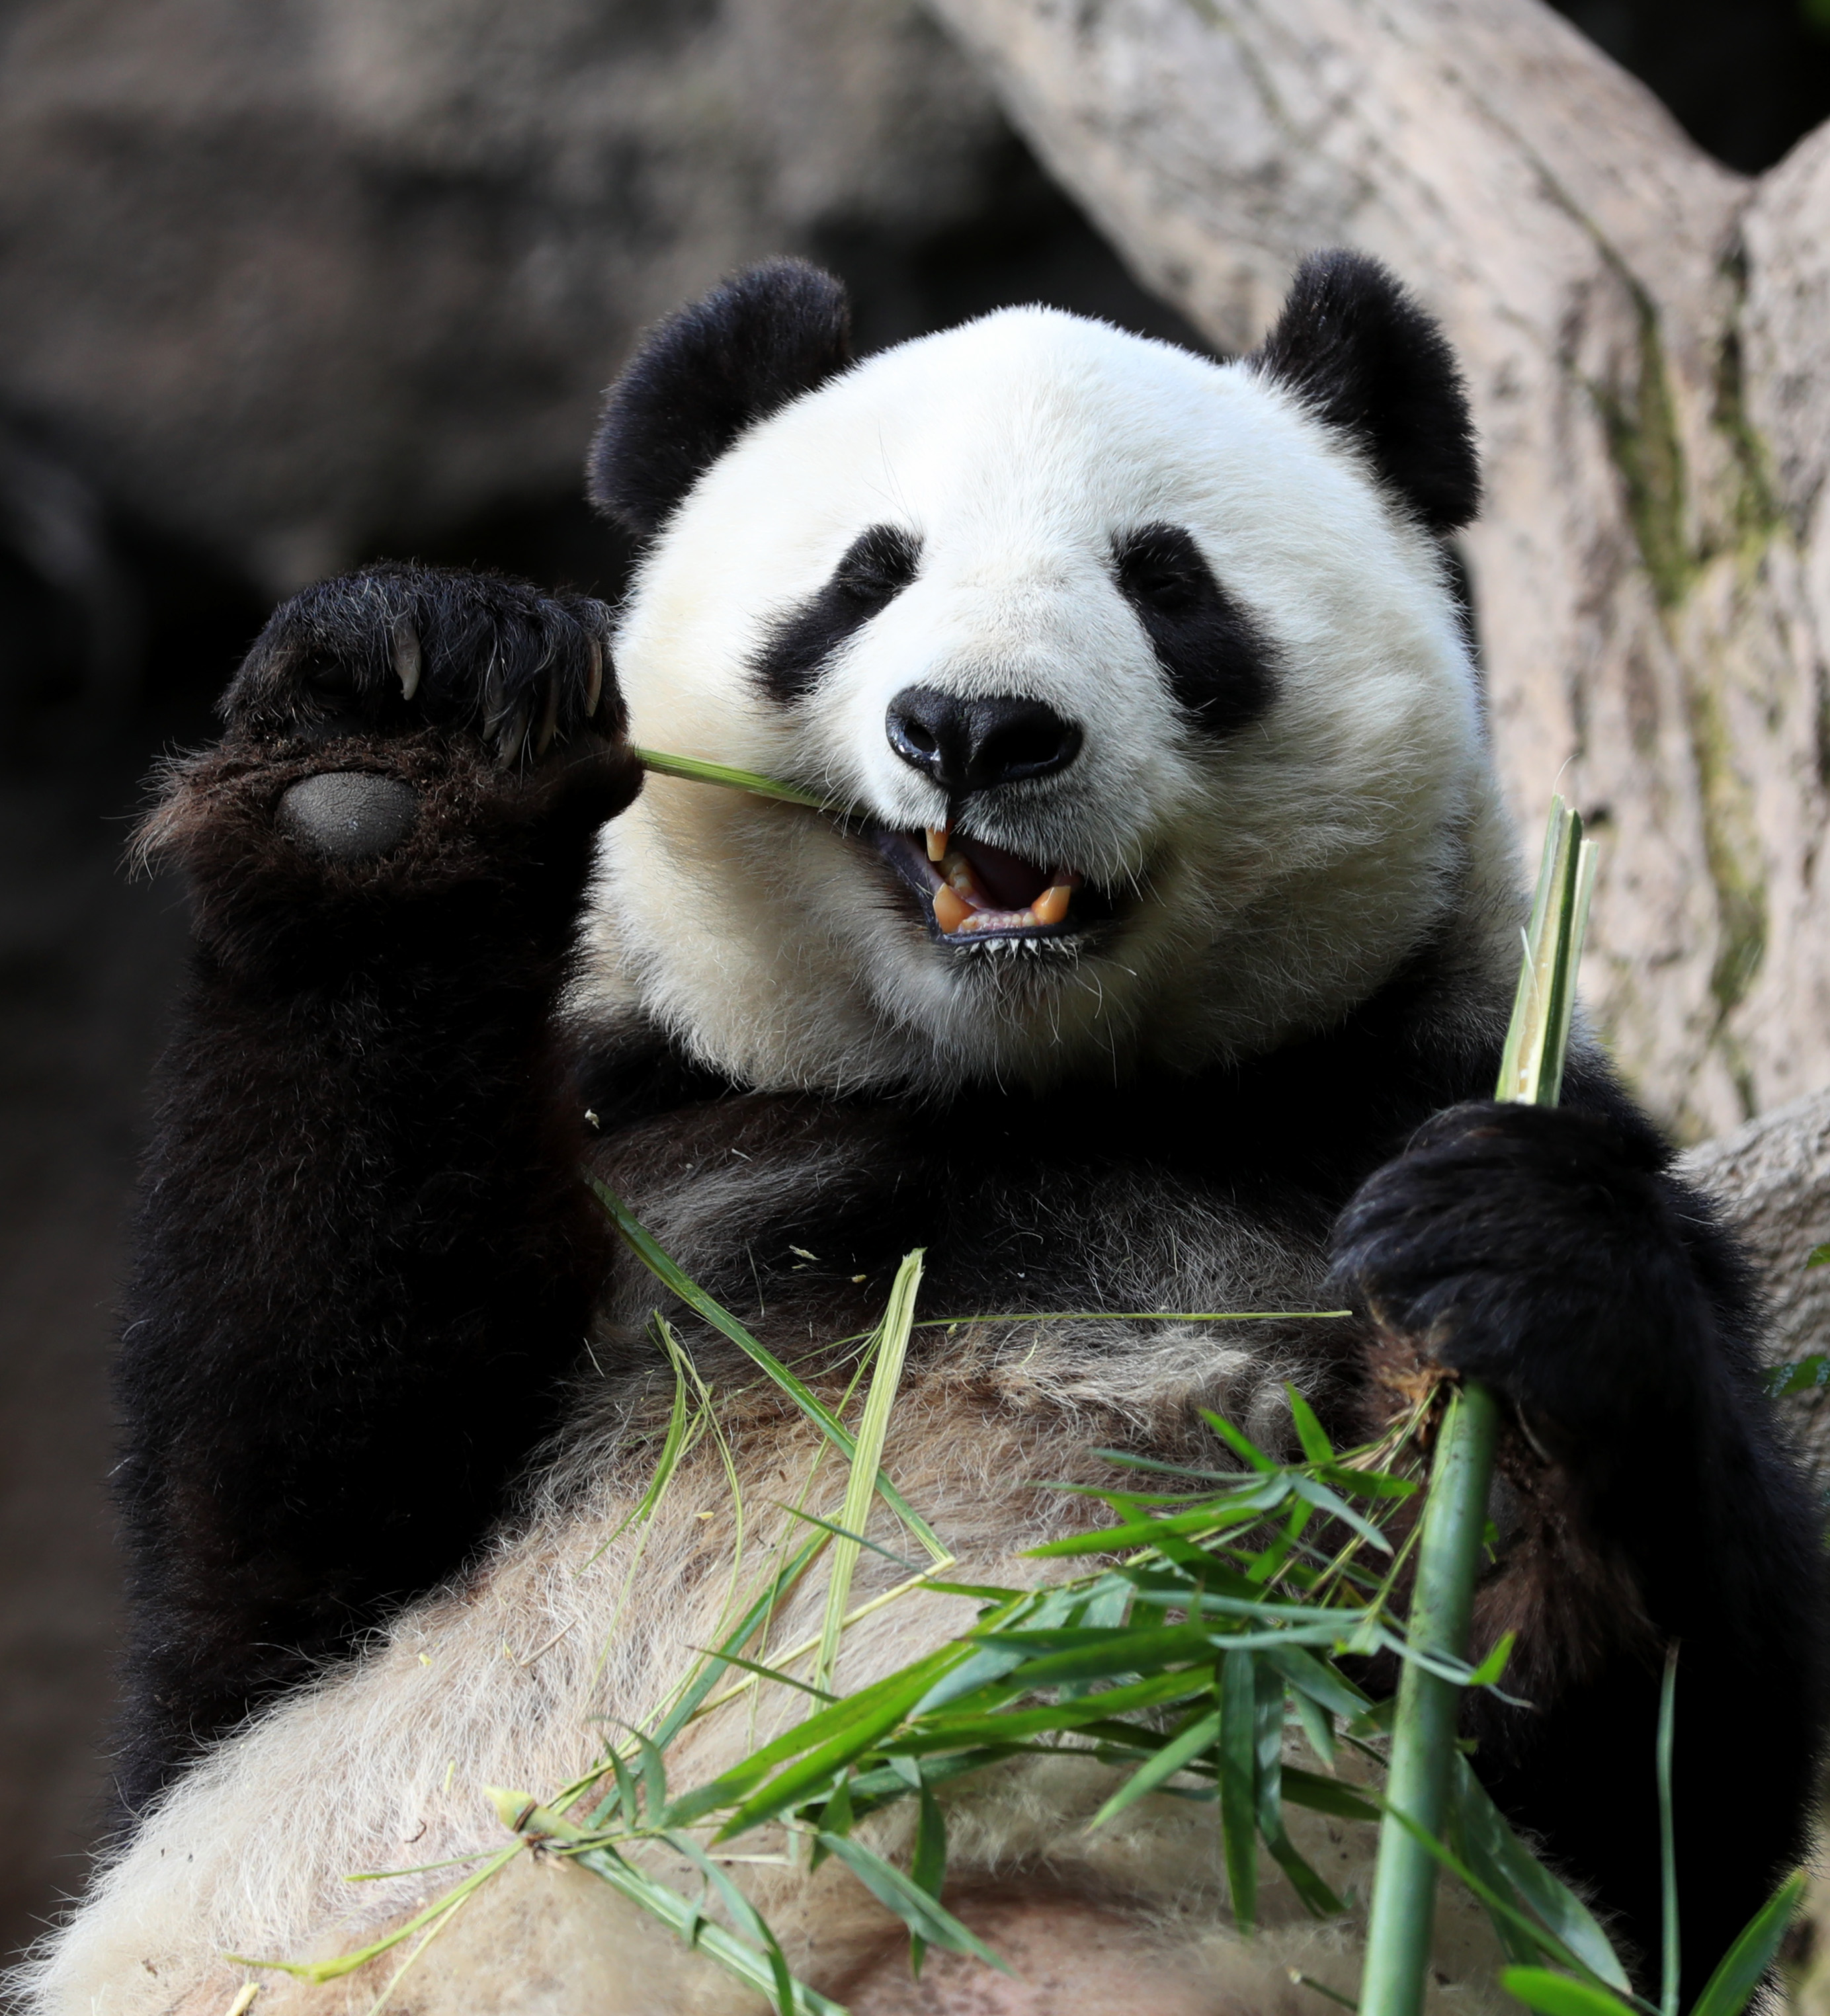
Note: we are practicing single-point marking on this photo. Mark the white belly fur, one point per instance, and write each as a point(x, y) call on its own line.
point(507, 1682)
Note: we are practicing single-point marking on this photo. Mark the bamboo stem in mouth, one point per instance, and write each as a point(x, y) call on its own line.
point(698, 771)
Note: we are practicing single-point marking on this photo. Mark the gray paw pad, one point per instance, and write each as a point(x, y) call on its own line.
point(349, 813)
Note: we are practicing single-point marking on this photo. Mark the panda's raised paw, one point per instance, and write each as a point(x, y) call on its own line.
point(1536, 1250)
point(349, 815)
point(400, 648)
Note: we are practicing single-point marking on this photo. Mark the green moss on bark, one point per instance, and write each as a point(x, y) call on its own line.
point(1643, 441)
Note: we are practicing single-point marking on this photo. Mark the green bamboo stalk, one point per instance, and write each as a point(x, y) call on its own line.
point(1400, 1923)
point(698, 771)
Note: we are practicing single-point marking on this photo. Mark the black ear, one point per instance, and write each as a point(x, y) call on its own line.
point(1359, 353)
point(703, 375)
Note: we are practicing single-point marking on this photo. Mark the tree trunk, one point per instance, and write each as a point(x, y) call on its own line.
point(1644, 333)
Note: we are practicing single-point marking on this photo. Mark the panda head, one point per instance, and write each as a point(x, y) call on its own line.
point(1142, 675)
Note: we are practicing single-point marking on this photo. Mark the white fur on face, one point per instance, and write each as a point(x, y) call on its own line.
point(1270, 880)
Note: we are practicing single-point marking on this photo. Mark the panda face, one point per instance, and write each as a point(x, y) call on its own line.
point(1151, 708)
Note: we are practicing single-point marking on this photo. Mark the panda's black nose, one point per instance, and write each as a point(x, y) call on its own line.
point(975, 744)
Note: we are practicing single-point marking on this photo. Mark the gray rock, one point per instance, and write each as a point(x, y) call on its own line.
point(285, 280)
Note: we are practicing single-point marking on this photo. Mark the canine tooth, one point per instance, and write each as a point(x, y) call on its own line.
point(1051, 906)
point(937, 841)
point(950, 910)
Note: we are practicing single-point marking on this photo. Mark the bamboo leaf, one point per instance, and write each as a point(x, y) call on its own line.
point(1161, 1689)
point(673, 1446)
point(853, 1721)
point(886, 1376)
point(774, 1674)
point(926, 1917)
point(1318, 1727)
point(1732, 1986)
point(1497, 1905)
point(836, 1816)
point(1096, 1655)
point(628, 1792)
point(1309, 1432)
point(654, 1774)
point(1191, 1741)
point(1488, 1671)
point(676, 1281)
point(1507, 1866)
point(986, 1665)
point(1268, 1718)
point(1321, 1683)
point(319, 1971)
point(1556, 1995)
point(893, 1780)
point(748, 1918)
point(1326, 1795)
point(1240, 1445)
point(1370, 1483)
point(1308, 1883)
point(798, 1781)
point(1238, 1799)
point(845, 1533)
point(1324, 1500)
point(765, 1971)
point(928, 1865)
point(695, 1695)
point(1240, 1509)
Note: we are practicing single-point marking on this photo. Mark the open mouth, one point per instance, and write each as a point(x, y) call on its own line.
point(974, 892)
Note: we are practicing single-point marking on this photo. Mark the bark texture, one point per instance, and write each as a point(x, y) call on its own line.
point(1773, 1178)
point(1643, 333)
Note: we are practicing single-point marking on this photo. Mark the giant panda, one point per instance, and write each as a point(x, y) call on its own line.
point(1160, 960)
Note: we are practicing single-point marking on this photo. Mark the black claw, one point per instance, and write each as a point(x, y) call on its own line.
point(510, 739)
point(406, 657)
point(548, 719)
point(397, 649)
point(594, 684)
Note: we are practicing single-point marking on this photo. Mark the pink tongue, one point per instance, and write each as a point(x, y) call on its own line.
point(1011, 883)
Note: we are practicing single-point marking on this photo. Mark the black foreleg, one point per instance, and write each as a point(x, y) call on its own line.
point(365, 1261)
point(1549, 1253)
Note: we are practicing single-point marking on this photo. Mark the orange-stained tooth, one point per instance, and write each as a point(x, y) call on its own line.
point(1051, 906)
point(937, 841)
point(950, 911)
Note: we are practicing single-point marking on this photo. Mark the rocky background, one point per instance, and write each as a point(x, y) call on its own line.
point(291, 284)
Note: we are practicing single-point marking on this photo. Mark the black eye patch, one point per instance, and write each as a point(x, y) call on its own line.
point(1220, 666)
point(877, 566)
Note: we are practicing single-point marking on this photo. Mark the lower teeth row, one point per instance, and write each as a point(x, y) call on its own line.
point(954, 915)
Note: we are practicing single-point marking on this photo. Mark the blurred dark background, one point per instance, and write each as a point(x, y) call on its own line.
point(288, 284)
